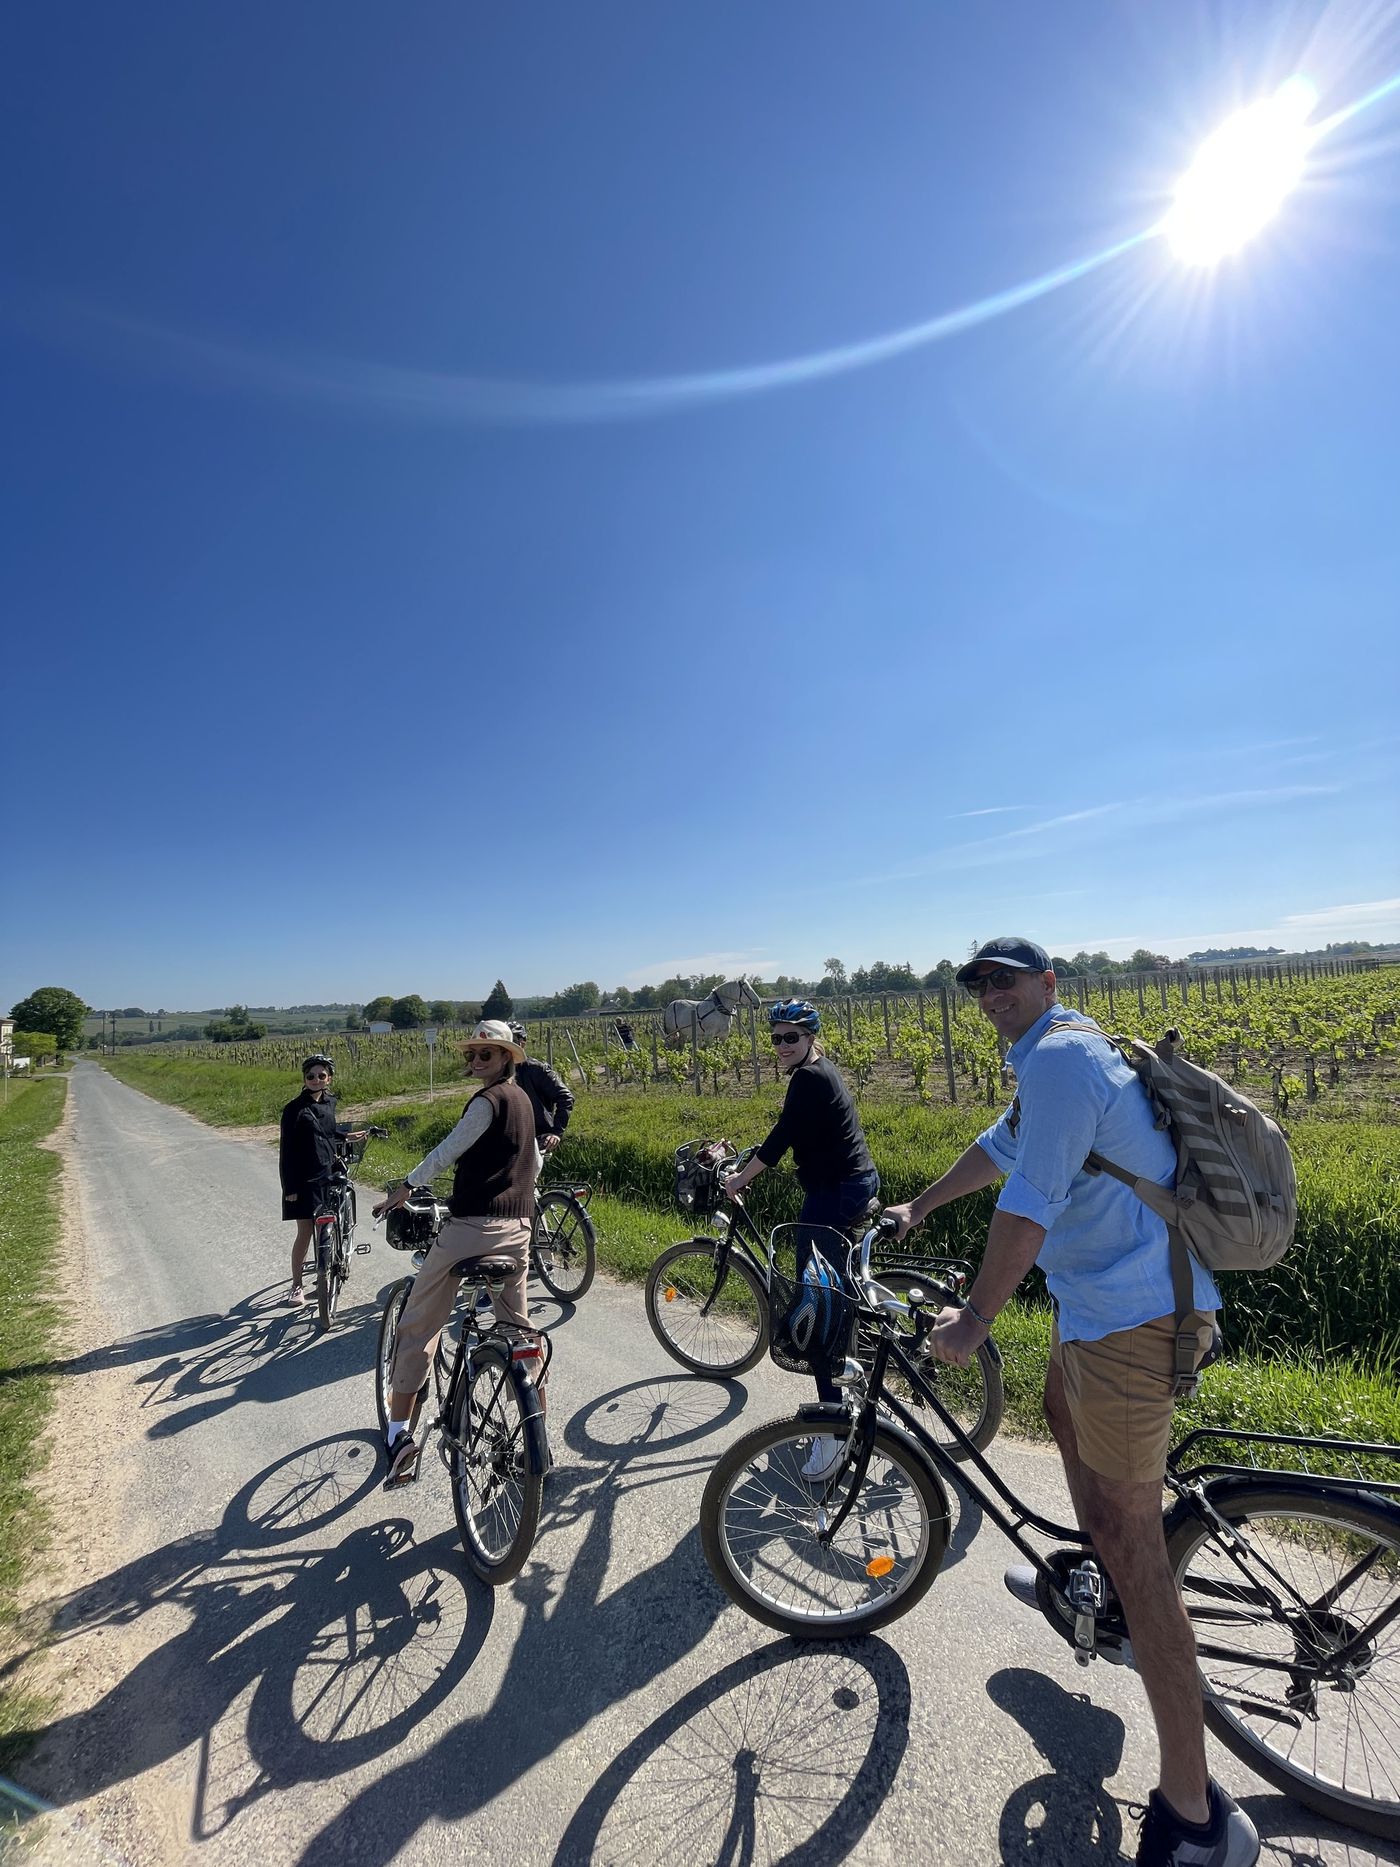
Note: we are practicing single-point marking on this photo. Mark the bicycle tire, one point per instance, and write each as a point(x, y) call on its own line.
point(384, 1352)
point(496, 1491)
point(328, 1278)
point(1304, 1530)
point(758, 1530)
point(728, 1340)
point(975, 1395)
point(568, 1260)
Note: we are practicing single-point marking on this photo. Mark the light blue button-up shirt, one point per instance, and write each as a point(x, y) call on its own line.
point(1105, 1255)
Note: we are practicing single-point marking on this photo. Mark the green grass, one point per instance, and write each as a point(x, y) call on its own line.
point(242, 1094)
point(1284, 1392)
point(29, 1324)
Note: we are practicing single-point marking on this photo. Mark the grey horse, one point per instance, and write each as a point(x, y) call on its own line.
point(711, 1016)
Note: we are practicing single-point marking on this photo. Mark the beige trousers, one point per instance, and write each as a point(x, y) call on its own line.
point(435, 1291)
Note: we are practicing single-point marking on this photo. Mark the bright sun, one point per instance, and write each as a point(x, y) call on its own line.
point(1241, 176)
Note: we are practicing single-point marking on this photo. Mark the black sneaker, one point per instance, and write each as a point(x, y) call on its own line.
point(402, 1456)
point(1228, 1839)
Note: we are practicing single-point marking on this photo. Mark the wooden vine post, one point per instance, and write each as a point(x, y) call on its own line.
point(948, 1044)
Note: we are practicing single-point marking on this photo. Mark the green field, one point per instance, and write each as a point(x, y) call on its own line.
point(29, 1327)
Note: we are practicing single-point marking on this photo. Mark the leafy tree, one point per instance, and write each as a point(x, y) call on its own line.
point(944, 973)
point(835, 971)
point(378, 1009)
point(1144, 961)
point(52, 1009)
point(574, 999)
point(498, 1002)
point(468, 1010)
point(407, 1014)
point(1063, 968)
point(133, 1011)
point(644, 998)
point(621, 998)
point(35, 1044)
point(442, 1011)
point(225, 1031)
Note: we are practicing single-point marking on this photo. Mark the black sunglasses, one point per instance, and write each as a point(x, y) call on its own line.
point(317, 1076)
point(787, 1037)
point(1001, 980)
point(480, 1056)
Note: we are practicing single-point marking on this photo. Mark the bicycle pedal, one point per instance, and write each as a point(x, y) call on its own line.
point(363, 1251)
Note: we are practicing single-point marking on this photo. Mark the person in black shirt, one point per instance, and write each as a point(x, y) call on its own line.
point(306, 1158)
point(820, 1125)
point(550, 1096)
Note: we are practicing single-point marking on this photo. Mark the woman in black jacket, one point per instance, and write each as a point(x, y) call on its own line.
point(306, 1158)
point(820, 1125)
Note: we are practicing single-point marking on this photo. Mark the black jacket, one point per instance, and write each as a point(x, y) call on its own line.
point(306, 1158)
point(550, 1096)
point(819, 1123)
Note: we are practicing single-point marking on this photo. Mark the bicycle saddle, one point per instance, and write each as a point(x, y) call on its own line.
point(491, 1270)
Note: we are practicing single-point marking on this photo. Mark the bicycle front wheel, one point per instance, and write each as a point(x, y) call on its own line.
point(707, 1307)
point(564, 1245)
point(388, 1341)
point(495, 1489)
point(761, 1525)
point(329, 1275)
point(974, 1395)
point(1316, 1569)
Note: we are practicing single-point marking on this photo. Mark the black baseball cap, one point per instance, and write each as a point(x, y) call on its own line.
point(1009, 950)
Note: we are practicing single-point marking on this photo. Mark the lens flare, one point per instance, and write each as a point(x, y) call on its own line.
point(1242, 176)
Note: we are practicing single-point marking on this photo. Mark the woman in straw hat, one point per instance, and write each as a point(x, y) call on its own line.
point(496, 1163)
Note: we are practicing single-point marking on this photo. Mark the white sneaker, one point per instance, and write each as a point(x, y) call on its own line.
point(824, 1457)
point(296, 1297)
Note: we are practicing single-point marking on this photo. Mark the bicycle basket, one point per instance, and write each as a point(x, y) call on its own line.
point(812, 1314)
point(700, 1167)
point(413, 1227)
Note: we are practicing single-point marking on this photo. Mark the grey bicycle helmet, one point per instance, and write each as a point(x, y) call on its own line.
point(319, 1060)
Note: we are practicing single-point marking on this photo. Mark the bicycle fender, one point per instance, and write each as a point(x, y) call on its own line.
point(532, 1414)
point(820, 1414)
point(1302, 1488)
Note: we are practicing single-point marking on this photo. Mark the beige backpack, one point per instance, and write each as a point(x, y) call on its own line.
point(1233, 1204)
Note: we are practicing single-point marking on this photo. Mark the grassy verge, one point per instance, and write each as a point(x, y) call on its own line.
point(1278, 1393)
point(29, 1321)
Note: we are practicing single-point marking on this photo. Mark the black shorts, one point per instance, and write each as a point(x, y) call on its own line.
point(300, 1205)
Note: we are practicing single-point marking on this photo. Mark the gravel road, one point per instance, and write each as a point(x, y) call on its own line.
point(266, 1658)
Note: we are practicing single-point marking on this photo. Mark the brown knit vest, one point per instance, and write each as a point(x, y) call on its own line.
point(495, 1178)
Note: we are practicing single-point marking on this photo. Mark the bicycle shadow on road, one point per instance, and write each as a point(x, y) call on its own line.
point(1066, 1818)
point(292, 1660)
point(1291, 1836)
point(587, 1641)
point(786, 1754)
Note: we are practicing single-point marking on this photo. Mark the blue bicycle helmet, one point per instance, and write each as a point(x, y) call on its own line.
point(799, 1011)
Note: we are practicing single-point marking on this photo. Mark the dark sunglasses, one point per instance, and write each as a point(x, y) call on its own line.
point(480, 1056)
point(1001, 980)
point(787, 1037)
point(317, 1076)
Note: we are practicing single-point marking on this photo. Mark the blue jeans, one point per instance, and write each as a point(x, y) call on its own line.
point(837, 1205)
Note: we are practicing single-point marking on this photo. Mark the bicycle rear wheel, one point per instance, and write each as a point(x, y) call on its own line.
point(329, 1273)
point(388, 1341)
point(760, 1521)
point(707, 1307)
point(563, 1245)
point(496, 1490)
point(1333, 1742)
point(974, 1395)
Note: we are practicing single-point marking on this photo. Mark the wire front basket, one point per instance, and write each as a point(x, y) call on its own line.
point(811, 1311)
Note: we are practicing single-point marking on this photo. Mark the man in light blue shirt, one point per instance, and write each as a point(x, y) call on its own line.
point(1109, 1388)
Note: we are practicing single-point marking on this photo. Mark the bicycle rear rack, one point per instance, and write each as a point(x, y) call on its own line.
point(1338, 1461)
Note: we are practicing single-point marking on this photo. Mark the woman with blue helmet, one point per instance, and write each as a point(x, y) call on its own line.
point(819, 1123)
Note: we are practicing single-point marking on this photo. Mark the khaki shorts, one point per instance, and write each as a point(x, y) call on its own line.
point(1119, 1393)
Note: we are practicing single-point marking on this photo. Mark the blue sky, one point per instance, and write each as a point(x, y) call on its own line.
point(359, 641)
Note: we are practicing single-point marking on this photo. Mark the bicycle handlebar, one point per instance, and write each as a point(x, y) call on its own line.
point(875, 1292)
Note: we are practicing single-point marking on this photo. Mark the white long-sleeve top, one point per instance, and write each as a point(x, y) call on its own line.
point(476, 1119)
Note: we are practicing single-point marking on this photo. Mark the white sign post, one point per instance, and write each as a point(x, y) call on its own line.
point(430, 1037)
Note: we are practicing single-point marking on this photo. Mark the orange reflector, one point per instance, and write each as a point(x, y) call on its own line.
point(670, 1293)
point(879, 1565)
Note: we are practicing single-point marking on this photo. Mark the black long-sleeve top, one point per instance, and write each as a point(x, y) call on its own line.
point(306, 1157)
point(819, 1123)
point(550, 1096)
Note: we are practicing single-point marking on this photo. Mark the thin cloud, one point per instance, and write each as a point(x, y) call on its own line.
point(696, 965)
point(990, 810)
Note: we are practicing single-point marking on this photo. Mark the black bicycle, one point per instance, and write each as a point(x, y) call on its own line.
point(563, 1243)
point(707, 1298)
point(1291, 1578)
point(487, 1385)
point(334, 1224)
